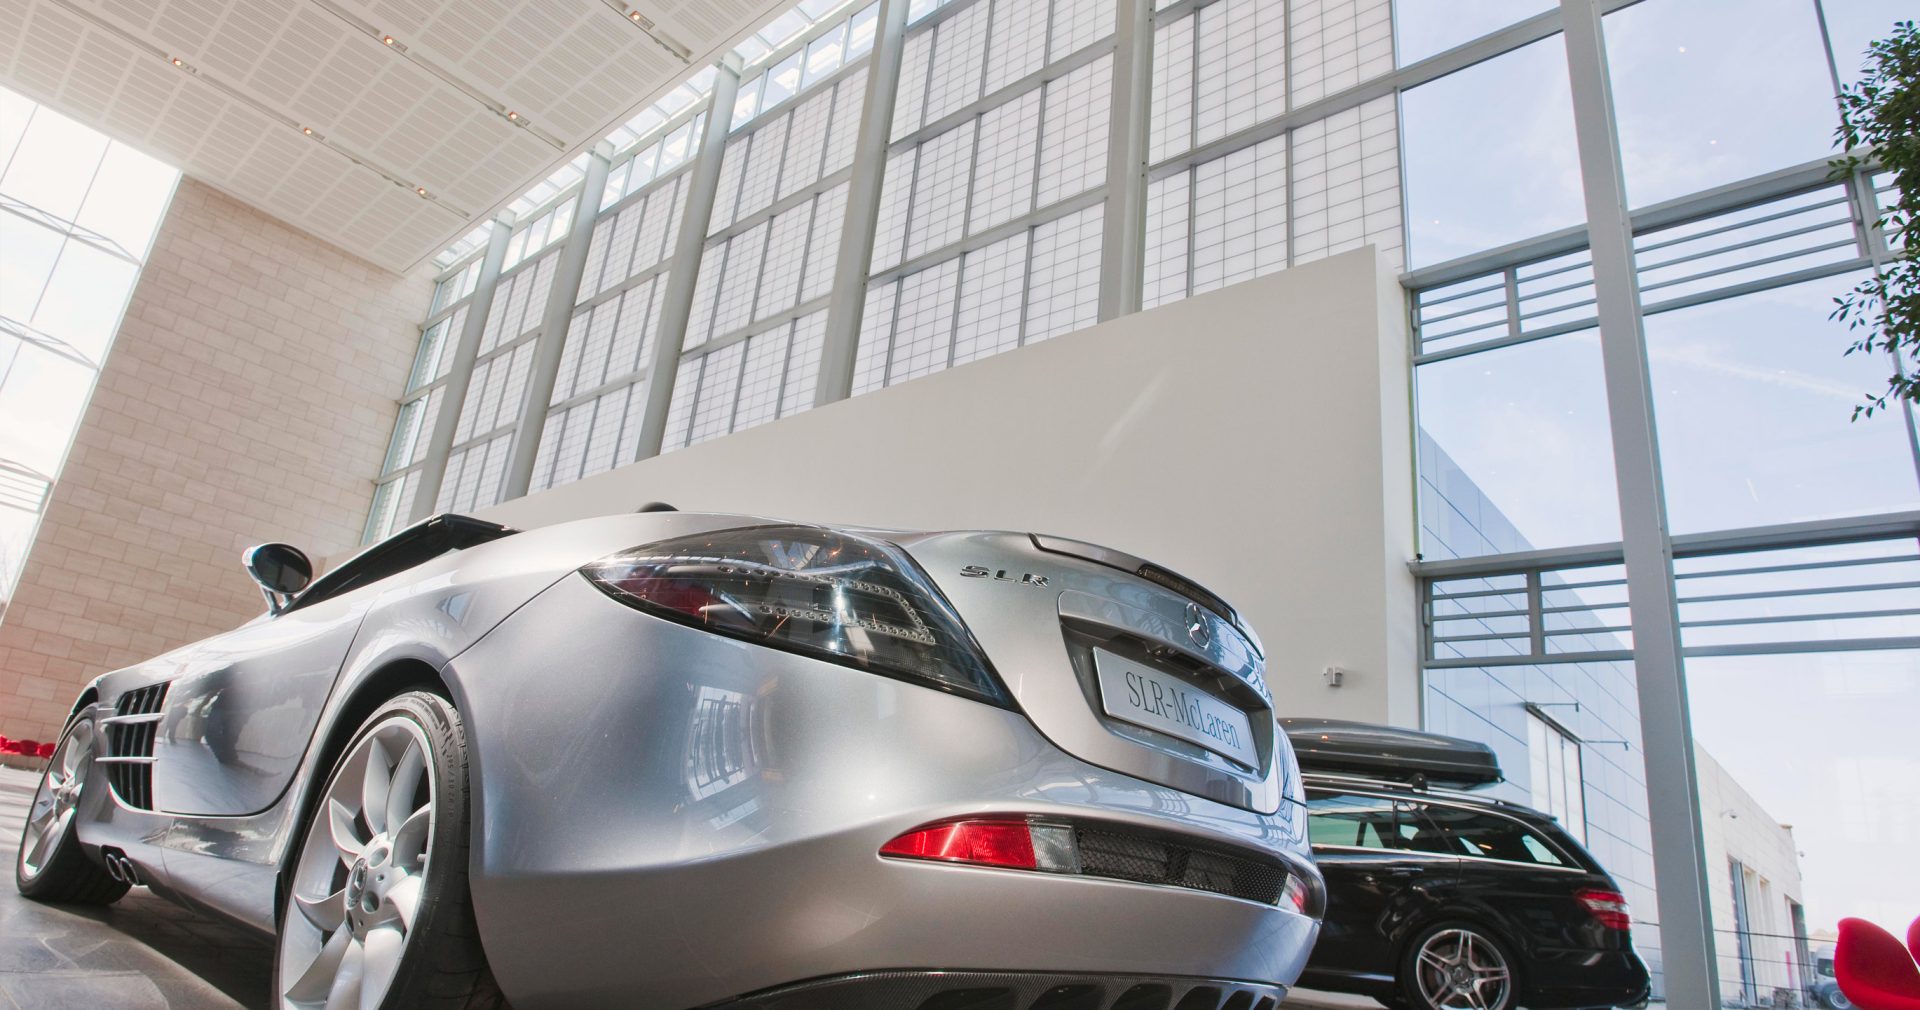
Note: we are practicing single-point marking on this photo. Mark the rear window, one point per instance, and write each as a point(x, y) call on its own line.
point(1485, 835)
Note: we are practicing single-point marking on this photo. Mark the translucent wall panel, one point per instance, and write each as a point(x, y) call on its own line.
point(1337, 44)
point(634, 239)
point(1230, 219)
point(592, 436)
point(474, 474)
point(746, 382)
point(1218, 70)
point(1041, 282)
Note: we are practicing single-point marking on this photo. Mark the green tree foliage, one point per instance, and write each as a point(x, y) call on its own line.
point(1880, 124)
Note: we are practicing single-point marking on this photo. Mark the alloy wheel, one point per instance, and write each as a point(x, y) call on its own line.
point(55, 801)
point(1458, 969)
point(362, 870)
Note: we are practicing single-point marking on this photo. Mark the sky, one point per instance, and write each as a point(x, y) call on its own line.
point(1753, 395)
point(68, 288)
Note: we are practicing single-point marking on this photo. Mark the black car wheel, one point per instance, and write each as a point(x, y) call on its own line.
point(1836, 1000)
point(1458, 966)
point(378, 913)
point(51, 865)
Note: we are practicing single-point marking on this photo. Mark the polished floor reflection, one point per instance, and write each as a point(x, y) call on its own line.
point(141, 953)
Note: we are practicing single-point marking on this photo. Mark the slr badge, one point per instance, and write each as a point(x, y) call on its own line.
point(1024, 578)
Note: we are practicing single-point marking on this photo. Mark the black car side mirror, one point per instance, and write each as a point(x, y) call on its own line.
point(282, 570)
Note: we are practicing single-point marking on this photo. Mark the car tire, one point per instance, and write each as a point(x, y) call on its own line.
point(1836, 1000)
point(51, 865)
point(376, 888)
point(1430, 963)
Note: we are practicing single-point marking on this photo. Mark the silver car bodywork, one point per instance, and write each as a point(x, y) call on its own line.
point(663, 817)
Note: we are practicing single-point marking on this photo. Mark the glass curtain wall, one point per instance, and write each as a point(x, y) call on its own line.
point(1269, 146)
point(77, 214)
point(1741, 238)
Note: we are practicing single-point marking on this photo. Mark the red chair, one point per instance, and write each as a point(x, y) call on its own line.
point(1874, 971)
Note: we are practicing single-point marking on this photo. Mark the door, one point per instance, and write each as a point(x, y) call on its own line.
point(238, 719)
point(1380, 862)
point(1516, 878)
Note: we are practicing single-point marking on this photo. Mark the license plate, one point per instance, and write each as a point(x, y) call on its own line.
point(1146, 697)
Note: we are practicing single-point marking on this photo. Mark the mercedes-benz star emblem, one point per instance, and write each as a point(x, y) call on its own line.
point(1197, 628)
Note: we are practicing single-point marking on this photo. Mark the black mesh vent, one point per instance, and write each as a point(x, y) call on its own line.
point(1150, 860)
point(132, 780)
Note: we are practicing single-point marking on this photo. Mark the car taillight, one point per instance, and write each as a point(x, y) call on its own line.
point(835, 596)
point(1609, 907)
point(1297, 893)
point(1003, 842)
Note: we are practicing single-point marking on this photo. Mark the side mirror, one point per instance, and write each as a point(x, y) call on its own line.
point(282, 570)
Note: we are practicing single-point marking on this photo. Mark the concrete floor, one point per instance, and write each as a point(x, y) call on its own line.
point(144, 953)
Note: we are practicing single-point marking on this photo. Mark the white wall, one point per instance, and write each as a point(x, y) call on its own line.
point(1255, 439)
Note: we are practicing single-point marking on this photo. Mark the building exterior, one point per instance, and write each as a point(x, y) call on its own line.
point(1761, 944)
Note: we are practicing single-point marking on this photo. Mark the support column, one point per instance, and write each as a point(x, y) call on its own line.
point(847, 301)
point(1673, 794)
point(466, 349)
point(554, 324)
point(676, 302)
point(1123, 238)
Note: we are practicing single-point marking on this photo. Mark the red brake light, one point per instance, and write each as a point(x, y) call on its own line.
point(1609, 907)
point(985, 843)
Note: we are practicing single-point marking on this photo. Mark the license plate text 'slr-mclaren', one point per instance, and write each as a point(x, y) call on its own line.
point(1147, 697)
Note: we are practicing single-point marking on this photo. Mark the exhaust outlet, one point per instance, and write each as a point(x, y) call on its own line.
point(119, 867)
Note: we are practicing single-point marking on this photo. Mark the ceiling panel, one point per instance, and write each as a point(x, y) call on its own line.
point(428, 112)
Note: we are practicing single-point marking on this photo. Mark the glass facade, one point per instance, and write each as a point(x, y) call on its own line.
point(1279, 131)
point(77, 214)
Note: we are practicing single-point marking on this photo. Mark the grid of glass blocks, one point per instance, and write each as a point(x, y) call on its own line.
point(744, 382)
point(990, 218)
point(1221, 211)
point(989, 221)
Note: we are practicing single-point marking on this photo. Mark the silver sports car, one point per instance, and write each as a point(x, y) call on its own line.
point(672, 760)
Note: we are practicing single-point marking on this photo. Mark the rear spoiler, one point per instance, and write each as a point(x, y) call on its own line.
point(1337, 746)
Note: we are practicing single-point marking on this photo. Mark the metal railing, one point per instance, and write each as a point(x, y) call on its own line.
point(1827, 586)
point(1782, 228)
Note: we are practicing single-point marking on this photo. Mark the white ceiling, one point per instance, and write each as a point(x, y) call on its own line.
point(426, 112)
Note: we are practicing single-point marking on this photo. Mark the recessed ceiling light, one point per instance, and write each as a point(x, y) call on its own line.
point(515, 116)
point(308, 130)
point(636, 15)
point(422, 190)
point(177, 63)
point(386, 40)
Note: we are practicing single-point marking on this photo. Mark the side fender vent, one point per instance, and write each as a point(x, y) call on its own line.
point(130, 732)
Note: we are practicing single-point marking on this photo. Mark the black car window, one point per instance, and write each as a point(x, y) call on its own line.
point(1486, 835)
point(1365, 822)
point(414, 546)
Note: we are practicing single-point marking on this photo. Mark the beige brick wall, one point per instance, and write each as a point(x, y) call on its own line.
point(248, 397)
